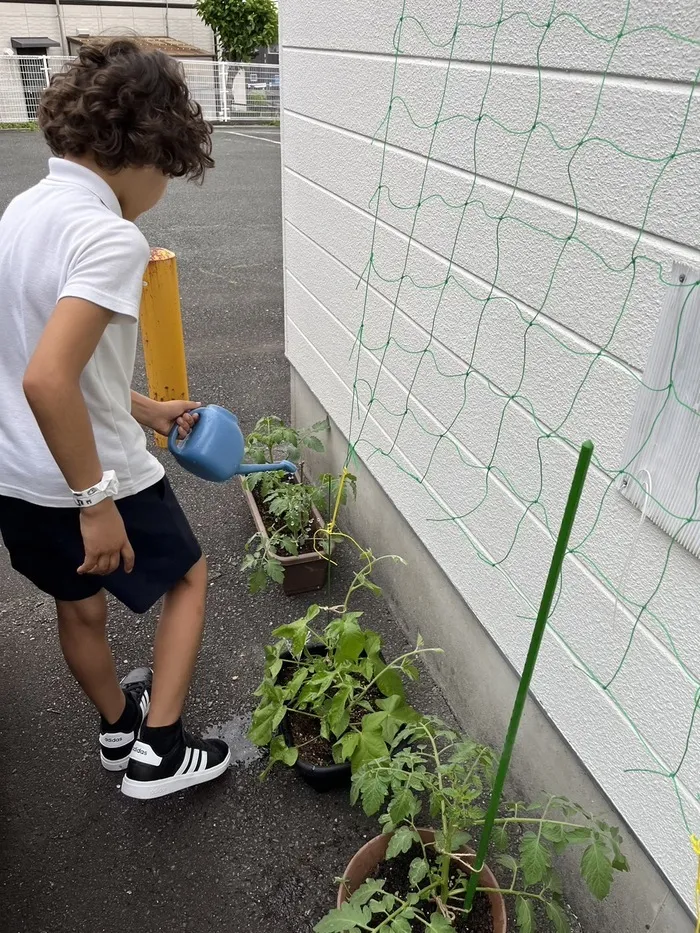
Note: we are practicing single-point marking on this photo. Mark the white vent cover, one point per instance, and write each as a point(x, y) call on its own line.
point(662, 451)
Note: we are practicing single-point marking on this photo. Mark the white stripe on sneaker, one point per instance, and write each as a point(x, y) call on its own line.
point(196, 754)
point(185, 761)
point(203, 762)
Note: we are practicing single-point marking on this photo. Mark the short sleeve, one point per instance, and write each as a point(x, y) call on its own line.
point(108, 268)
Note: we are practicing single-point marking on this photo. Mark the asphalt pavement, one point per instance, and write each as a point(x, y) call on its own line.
point(238, 855)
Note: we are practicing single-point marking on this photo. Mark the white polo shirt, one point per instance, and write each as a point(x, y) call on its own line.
point(66, 237)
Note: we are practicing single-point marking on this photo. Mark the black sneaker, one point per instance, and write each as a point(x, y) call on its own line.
point(190, 761)
point(117, 741)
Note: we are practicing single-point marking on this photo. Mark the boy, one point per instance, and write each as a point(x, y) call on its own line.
point(84, 507)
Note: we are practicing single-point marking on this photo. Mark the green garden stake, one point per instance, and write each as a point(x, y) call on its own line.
point(560, 548)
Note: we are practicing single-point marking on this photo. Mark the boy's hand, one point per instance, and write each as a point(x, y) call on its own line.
point(167, 414)
point(105, 540)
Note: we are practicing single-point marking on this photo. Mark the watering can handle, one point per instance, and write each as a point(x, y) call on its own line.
point(173, 437)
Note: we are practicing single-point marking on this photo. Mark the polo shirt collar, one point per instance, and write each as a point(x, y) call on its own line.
point(70, 173)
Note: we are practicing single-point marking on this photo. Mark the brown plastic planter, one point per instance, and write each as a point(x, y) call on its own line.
point(365, 861)
point(303, 573)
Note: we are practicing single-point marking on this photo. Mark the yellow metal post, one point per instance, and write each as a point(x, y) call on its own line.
point(161, 331)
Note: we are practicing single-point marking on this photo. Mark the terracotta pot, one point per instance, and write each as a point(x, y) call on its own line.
point(303, 573)
point(364, 862)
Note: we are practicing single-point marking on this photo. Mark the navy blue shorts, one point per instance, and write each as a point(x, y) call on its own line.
point(46, 546)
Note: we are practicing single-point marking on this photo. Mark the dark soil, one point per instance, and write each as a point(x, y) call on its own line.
point(312, 747)
point(395, 874)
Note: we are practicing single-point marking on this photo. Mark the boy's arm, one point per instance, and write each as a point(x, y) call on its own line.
point(52, 388)
point(161, 416)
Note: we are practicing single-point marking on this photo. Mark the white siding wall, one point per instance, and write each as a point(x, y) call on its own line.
point(338, 67)
point(34, 19)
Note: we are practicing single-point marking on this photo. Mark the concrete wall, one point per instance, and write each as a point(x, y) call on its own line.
point(106, 18)
point(446, 417)
point(481, 684)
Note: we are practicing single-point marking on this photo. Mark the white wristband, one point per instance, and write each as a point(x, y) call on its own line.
point(107, 488)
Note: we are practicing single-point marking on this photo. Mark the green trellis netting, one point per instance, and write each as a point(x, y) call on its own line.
point(518, 226)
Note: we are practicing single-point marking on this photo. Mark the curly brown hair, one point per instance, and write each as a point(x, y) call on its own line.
point(128, 107)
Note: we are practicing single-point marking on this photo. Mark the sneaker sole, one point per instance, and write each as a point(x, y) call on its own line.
point(119, 765)
point(149, 790)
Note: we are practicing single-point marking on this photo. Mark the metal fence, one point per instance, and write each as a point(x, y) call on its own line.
point(226, 91)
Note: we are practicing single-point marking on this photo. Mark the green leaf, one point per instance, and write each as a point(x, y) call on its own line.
point(338, 717)
point(370, 746)
point(402, 806)
point(344, 919)
point(439, 924)
point(292, 688)
point(385, 906)
point(596, 869)
point(296, 633)
point(372, 787)
point(554, 832)
point(344, 748)
point(280, 751)
point(417, 871)
point(460, 839)
point(314, 444)
point(289, 544)
point(258, 581)
point(499, 838)
point(366, 892)
point(579, 836)
point(273, 662)
point(390, 683)
point(373, 643)
point(620, 863)
point(266, 718)
point(553, 882)
point(524, 915)
point(400, 925)
point(556, 914)
point(403, 840)
point(534, 857)
point(252, 480)
point(274, 570)
point(350, 644)
point(507, 861)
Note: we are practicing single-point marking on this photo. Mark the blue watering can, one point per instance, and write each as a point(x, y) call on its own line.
point(215, 447)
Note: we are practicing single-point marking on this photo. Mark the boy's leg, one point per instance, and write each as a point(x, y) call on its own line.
point(82, 630)
point(167, 758)
point(177, 642)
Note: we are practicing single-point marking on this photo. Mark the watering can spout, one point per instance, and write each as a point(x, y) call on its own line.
point(286, 466)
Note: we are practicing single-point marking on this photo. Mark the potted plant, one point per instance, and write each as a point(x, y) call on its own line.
point(412, 878)
point(288, 546)
point(335, 700)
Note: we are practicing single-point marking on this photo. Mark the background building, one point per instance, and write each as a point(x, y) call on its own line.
point(55, 24)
